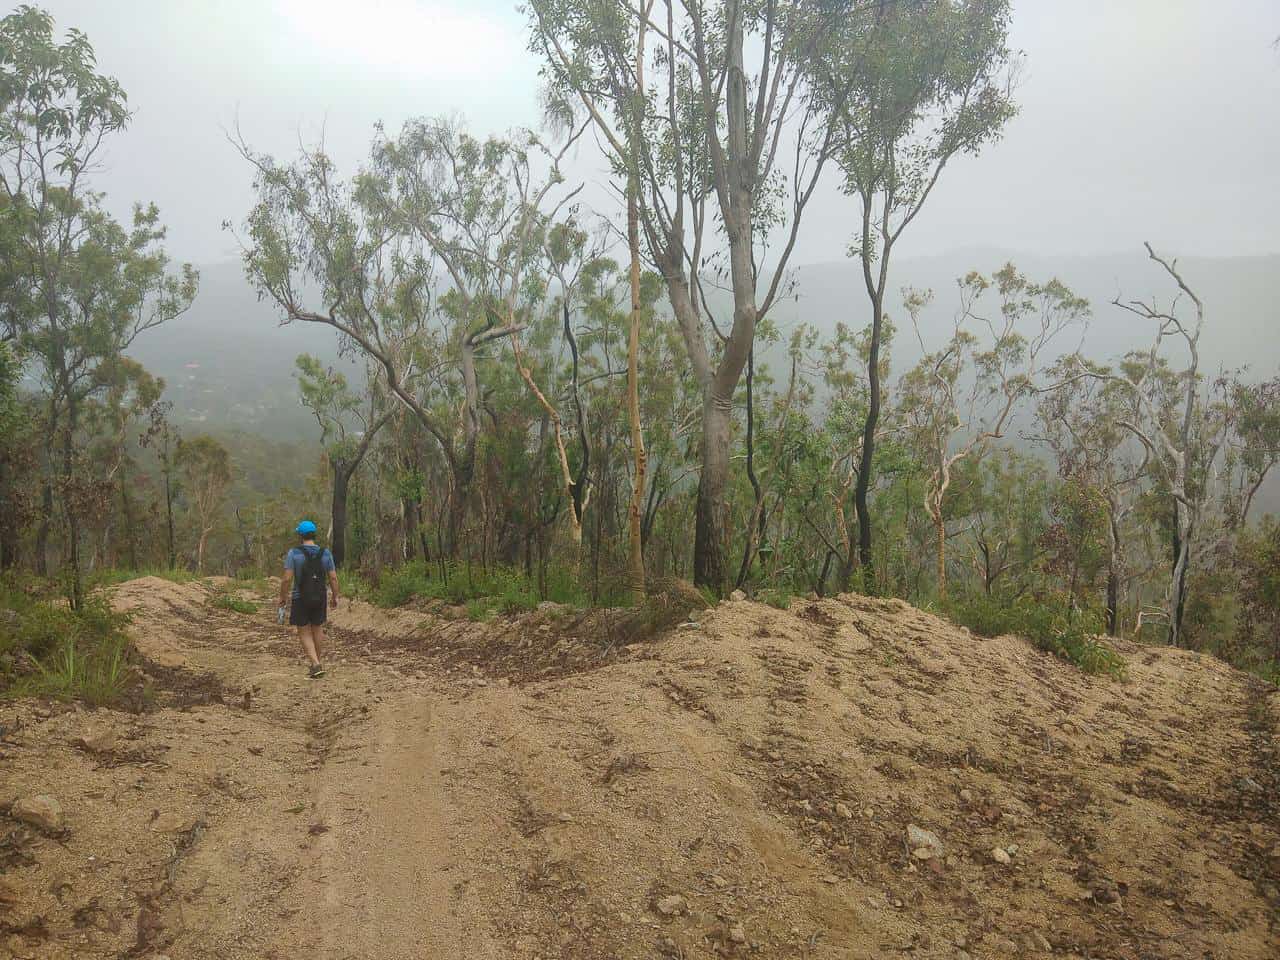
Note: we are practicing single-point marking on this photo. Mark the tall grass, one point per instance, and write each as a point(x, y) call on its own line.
point(48, 649)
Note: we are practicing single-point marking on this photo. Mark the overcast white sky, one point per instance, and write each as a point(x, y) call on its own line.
point(1139, 119)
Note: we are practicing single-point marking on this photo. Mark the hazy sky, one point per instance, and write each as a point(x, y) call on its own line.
point(1139, 119)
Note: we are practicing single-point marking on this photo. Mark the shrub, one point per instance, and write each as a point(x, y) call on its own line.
point(353, 585)
point(77, 654)
point(227, 601)
point(508, 589)
point(479, 609)
point(1045, 624)
point(776, 597)
point(1073, 643)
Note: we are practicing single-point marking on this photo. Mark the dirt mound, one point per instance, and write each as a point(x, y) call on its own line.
point(851, 778)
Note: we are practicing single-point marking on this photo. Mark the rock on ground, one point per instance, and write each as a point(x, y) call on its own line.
point(40, 811)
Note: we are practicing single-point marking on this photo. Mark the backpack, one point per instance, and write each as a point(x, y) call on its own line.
point(311, 582)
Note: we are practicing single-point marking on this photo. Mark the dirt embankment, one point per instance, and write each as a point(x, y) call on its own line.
point(850, 779)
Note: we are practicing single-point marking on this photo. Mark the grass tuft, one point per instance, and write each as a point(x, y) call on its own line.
point(48, 649)
point(227, 601)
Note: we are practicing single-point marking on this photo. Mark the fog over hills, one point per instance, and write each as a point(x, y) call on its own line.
point(1240, 295)
point(229, 361)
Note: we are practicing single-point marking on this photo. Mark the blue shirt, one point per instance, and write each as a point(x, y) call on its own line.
point(294, 559)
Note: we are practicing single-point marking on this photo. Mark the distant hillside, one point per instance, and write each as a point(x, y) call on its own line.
point(229, 361)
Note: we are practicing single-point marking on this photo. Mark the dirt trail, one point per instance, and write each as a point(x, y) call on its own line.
point(389, 875)
point(742, 787)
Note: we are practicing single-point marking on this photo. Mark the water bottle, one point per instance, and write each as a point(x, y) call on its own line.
point(280, 615)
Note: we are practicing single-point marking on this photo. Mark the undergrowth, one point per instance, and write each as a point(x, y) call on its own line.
point(48, 649)
point(777, 597)
point(1074, 639)
point(228, 601)
point(482, 591)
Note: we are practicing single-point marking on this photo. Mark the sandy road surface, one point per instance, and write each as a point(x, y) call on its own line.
point(532, 789)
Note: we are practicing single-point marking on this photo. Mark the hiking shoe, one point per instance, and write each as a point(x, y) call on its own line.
point(316, 671)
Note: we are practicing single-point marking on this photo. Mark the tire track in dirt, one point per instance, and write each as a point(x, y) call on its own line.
point(390, 869)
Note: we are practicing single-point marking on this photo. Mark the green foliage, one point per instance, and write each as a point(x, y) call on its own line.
point(229, 601)
point(1075, 643)
point(89, 285)
point(1256, 644)
point(480, 609)
point(503, 588)
point(776, 597)
point(1045, 624)
point(19, 461)
point(353, 585)
point(48, 649)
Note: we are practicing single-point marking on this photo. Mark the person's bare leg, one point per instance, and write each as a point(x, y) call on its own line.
point(306, 635)
point(317, 635)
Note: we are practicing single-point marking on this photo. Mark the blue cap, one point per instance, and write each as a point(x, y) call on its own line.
point(305, 527)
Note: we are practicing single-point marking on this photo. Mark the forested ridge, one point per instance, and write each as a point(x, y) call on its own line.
point(496, 383)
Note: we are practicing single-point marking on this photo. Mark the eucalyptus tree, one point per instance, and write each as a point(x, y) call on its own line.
point(1007, 521)
point(960, 399)
point(1256, 440)
point(712, 146)
point(18, 461)
point(89, 286)
point(348, 425)
point(572, 257)
point(907, 91)
point(1181, 419)
point(205, 467)
point(1081, 421)
point(419, 262)
point(131, 393)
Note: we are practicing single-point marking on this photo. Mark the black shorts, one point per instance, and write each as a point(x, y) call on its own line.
point(303, 614)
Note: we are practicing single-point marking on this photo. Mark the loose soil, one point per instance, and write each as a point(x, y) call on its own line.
point(549, 787)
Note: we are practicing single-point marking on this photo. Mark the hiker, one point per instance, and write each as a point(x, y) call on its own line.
point(306, 568)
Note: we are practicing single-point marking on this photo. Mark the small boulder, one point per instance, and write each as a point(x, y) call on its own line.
point(41, 811)
point(924, 844)
point(1000, 855)
point(843, 811)
point(737, 933)
point(671, 906)
point(737, 595)
point(101, 741)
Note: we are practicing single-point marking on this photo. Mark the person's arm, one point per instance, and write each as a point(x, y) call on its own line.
point(286, 582)
point(332, 568)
